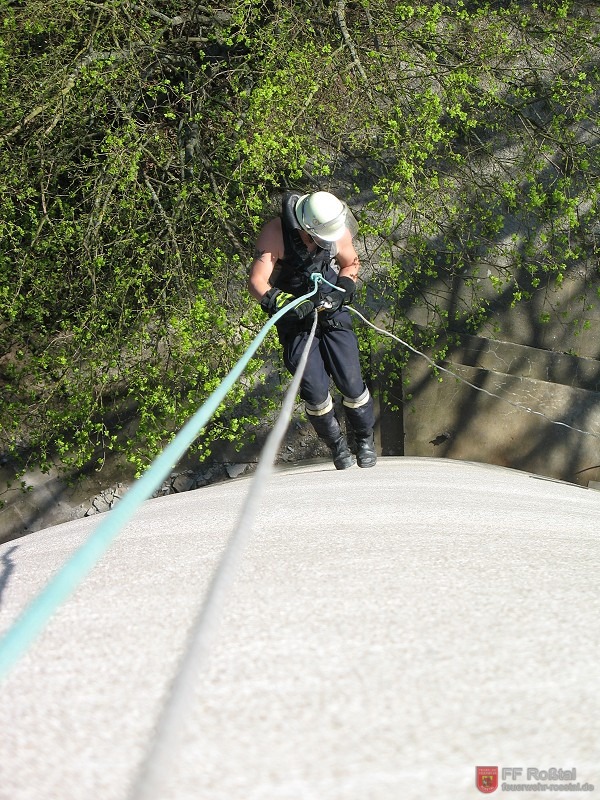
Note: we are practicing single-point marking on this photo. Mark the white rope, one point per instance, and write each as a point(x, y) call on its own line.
point(164, 751)
point(468, 383)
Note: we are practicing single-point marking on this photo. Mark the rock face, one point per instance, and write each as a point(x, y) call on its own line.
point(177, 482)
point(47, 500)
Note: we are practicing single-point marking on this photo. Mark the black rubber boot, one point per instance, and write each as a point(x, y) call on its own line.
point(328, 429)
point(342, 456)
point(365, 451)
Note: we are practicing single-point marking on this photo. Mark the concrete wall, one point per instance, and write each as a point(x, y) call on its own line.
point(447, 418)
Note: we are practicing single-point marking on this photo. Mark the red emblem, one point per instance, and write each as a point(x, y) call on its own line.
point(486, 779)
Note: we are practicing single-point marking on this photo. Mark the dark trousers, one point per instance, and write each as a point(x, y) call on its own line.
point(333, 356)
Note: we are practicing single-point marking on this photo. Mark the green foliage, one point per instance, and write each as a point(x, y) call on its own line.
point(480, 169)
point(141, 148)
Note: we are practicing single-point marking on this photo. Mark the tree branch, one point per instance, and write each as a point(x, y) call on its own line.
point(340, 13)
point(166, 220)
point(92, 56)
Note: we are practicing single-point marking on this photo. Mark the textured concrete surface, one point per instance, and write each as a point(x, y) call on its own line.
point(389, 630)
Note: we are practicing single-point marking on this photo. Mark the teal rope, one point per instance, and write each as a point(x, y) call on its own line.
point(22, 633)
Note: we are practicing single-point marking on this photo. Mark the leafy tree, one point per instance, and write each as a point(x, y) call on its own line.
point(142, 146)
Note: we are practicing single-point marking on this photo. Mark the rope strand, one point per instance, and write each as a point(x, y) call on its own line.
point(169, 737)
point(36, 615)
point(468, 383)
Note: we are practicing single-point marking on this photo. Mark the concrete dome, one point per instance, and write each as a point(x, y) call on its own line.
point(389, 631)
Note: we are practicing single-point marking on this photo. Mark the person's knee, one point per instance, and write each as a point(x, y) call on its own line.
point(359, 400)
point(319, 409)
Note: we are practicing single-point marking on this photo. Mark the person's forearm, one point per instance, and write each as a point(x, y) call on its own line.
point(350, 270)
point(258, 289)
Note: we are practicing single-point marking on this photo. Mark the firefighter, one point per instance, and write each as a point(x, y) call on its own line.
point(314, 233)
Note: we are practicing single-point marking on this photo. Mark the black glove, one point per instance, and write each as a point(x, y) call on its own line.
point(274, 300)
point(331, 300)
point(349, 289)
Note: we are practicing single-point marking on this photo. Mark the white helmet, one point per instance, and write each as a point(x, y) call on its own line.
point(322, 216)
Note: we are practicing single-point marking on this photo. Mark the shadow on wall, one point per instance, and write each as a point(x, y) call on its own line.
point(8, 567)
point(536, 363)
point(519, 420)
